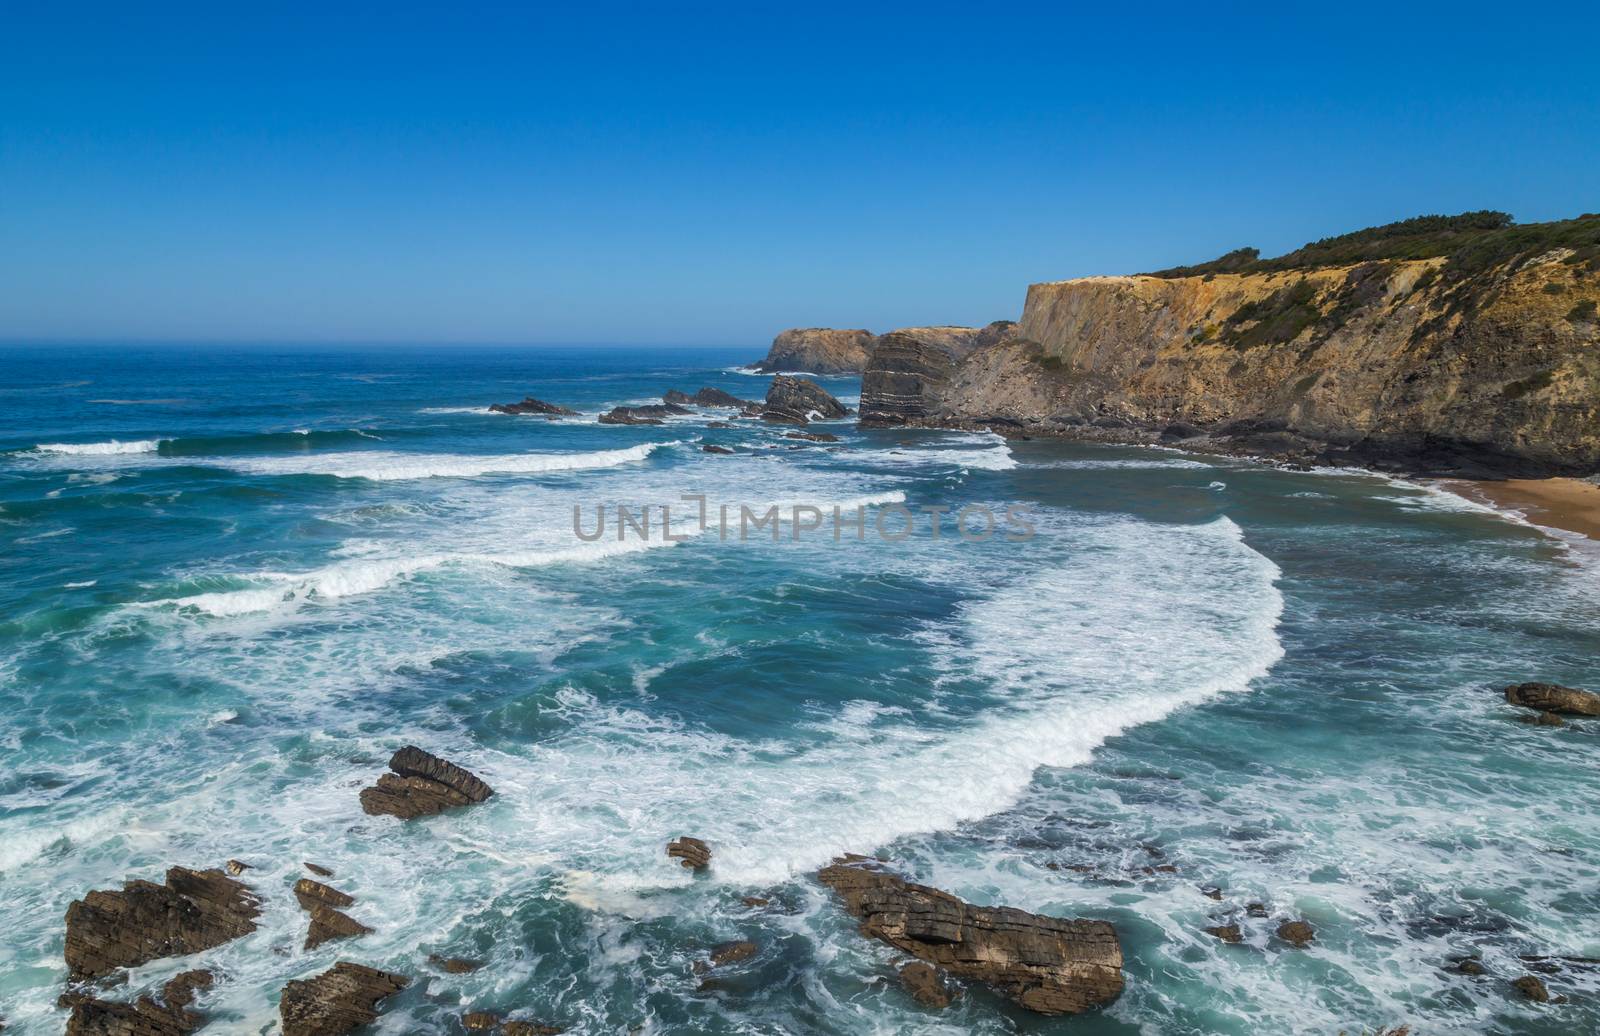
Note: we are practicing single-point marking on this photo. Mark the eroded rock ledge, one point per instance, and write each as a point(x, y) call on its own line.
point(422, 784)
point(1046, 964)
point(193, 911)
point(338, 1001)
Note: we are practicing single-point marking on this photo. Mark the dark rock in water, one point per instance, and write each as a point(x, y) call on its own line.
point(236, 868)
point(328, 923)
point(797, 400)
point(167, 1016)
point(650, 414)
point(1549, 697)
point(713, 448)
point(1046, 964)
point(312, 894)
point(708, 397)
point(1256, 909)
point(480, 1021)
point(926, 984)
point(422, 785)
point(338, 1001)
point(733, 952)
point(694, 853)
point(1228, 933)
point(811, 436)
point(529, 405)
point(1211, 892)
point(521, 1028)
point(193, 911)
point(454, 965)
point(754, 901)
point(317, 869)
point(718, 424)
point(1532, 988)
point(1469, 966)
point(1298, 934)
point(1543, 719)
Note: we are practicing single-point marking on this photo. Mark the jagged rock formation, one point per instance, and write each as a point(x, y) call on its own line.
point(322, 902)
point(1471, 351)
point(652, 413)
point(529, 405)
point(338, 1001)
point(1046, 964)
point(712, 397)
point(1551, 698)
point(193, 911)
point(826, 350)
point(799, 401)
point(421, 785)
point(167, 1016)
point(691, 852)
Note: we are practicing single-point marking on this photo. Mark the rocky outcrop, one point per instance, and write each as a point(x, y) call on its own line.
point(709, 397)
point(1046, 964)
point(818, 350)
point(653, 413)
point(167, 1016)
point(193, 911)
point(328, 921)
point(1298, 934)
point(421, 785)
point(338, 1001)
point(691, 852)
point(798, 401)
point(454, 965)
point(529, 405)
point(811, 436)
point(1481, 361)
point(1550, 698)
point(927, 985)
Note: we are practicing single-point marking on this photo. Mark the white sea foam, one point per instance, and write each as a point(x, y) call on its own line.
point(112, 447)
point(386, 466)
point(994, 458)
point(455, 410)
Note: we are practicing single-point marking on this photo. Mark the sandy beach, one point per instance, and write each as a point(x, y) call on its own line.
point(1570, 504)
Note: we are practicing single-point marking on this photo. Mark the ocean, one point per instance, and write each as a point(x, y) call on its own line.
point(233, 581)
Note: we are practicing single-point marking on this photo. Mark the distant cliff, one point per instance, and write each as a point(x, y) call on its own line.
point(1464, 345)
point(827, 350)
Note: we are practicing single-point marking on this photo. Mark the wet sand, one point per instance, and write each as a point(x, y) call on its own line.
point(1570, 504)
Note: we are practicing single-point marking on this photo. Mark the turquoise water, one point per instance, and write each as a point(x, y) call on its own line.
point(234, 582)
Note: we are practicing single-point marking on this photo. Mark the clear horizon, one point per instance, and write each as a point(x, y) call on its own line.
point(641, 177)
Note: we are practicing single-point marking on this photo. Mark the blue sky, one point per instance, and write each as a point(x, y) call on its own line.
point(710, 174)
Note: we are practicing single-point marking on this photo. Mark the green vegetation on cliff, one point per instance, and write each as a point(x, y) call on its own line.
point(1470, 243)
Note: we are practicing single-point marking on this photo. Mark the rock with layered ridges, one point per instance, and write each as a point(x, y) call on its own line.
point(1553, 698)
point(694, 853)
point(926, 984)
point(1046, 964)
point(652, 413)
point(793, 400)
point(336, 1002)
point(422, 784)
point(708, 397)
point(167, 1016)
point(529, 405)
point(312, 894)
point(193, 911)
point(907, 380)
point(819, 350)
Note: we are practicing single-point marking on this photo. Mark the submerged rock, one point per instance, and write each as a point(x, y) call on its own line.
point(694, 853)
point(167, 1016)
point(811, 436)
point(1228, 933)
point(1047, 964)
point(318, 869)
point(1298, 934)
point(1543, 719)
point(733, 952)
point(1532, 988)
point(713, 448)
point(454, 965)
point(927, 985)
point(713, 397)
point(1550, 697)
point(798, 400)
point(529, 405)
point(193, 911)
point(422, 785)
point(650, 414)
point(338, 1001)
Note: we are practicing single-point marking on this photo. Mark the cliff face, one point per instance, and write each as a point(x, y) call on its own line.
point(826, 350)
point(1390, 362)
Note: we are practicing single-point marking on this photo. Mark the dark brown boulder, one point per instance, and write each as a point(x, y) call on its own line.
point(793, 400)
point(1549, 697)
point(1046, 964)
point(927, 985)
point(193, 911)
point(421, 785)
point(1542, 719)
point(454, 965)
point(1532, 988)
point(733, 952)
point(694, 853)
point(529, 405)
point(338, 1001)
point(318, 869)
point(1228, 933)
point(480, 1021)
point(166, 1016)
point(1298, 934)
point(313, 894)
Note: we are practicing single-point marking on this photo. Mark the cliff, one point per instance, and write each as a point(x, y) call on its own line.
point(826, 350)
point(1483, 360)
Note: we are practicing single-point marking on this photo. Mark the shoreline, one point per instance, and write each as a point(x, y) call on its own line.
point(1565, 504)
